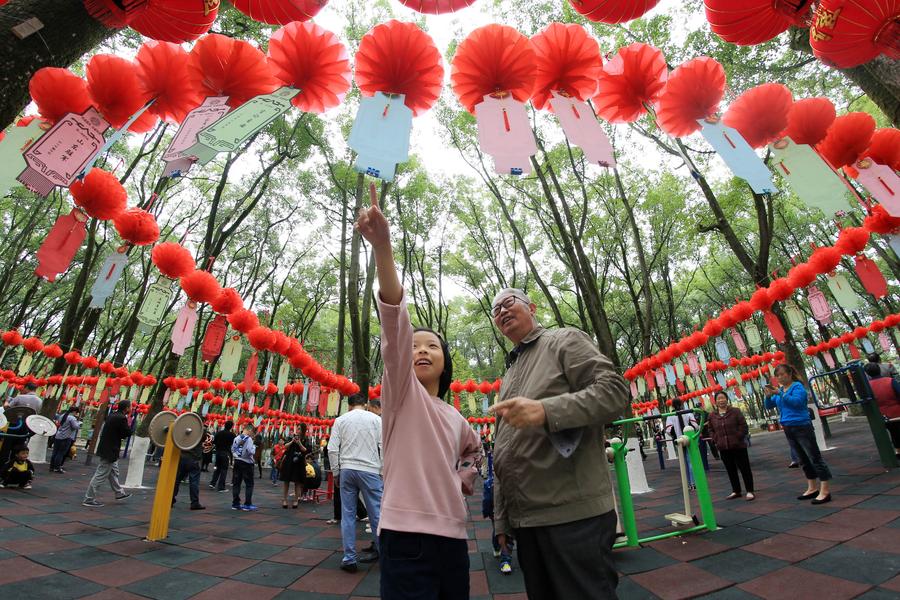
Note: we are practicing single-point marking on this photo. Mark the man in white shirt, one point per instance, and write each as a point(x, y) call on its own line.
point(354, 451)
point(27, 398)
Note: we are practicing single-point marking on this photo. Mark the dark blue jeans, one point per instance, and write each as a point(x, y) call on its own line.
point(802, 439)
point(190, 468)
point(243, 472)
point(60, 451)
point(420, 566)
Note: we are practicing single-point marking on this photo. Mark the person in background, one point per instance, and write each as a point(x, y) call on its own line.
point(27, 398)
point(115, 429)
point(502, 548)
point(189, 466)
point(886, 390)
point(313, 479)
point(659, 438)
point(18, 471)
point(729, 430)
point(260, 443)
point(222, 443)
point(675, 427)
point(887, 369)
point(375, 407)
point(66, 434)
point(790, 398)
point(207, 448)
point(277, 454)
point(244, 451)
point(292, 469)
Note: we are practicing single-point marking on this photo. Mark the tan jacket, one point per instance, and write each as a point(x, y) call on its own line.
point(535, 485)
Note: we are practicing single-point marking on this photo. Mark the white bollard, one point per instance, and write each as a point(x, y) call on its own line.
point(37, 449)
point(636, 474)
point(137, 452)
point(819, 431)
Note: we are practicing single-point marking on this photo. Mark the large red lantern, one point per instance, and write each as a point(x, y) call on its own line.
point(568, 60)
point(494, 59)
point(279, 12)
point(116, 91)
point(57, 92)
point(612, 11)
point(224, 66)
point(164, 76)
point(809, 120)
point(847, 138)
point(400, 58)
point(761, 113)
point(884, 147)
point(630, 80)
point(749, 22)
point(313, 60)
point(847, 33)
point(436, 7)
point(693, 92)
point(174, 20)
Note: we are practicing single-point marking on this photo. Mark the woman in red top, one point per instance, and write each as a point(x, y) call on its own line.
point(729, 430)
point(887, 394)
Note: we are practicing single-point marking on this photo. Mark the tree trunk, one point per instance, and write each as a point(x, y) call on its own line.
point(68, 33)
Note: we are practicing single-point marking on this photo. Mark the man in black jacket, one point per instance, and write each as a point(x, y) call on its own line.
point(189, 466)
point(222, 442)
point(115, 429)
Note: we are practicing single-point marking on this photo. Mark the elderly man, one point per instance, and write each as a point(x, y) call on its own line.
point(553, 491)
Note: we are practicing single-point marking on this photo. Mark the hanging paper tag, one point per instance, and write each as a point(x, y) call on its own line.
point(238, 126)
point(738, 156)
point(641, 385)
point(214, 338)
point(693, 363)
point(173, 398)
point(691, 384)
point(794, 315)
point(884, 341)
point(230, 357)
point(701, 357)
point(155, 303)
point(25, 364)
point(894, 242)
point(345, 406)
point(842, 292)
point(810, 177)
point(679, 369)
point(380, 135)
point(882, 182)
point(485, 404)
point(670, 374)
point(283, 372)
point(505, 133)
point(754, 339)
point(61, 154)
point(583, 129)
point(632, 387)
point(183, 329)
point(720, 378)
point(470, 403)
point(819, 304)
point(867, 345)
point(101, 384)
point(115, 137)
point(739, 342)
point(660, 378)
point(722, 350)
point(107, 278)
point(773, 323)
point(212, 109)
point(840, 354)
point(145, 395)
point(16, 141)
point(871, 276)
point(61, 244)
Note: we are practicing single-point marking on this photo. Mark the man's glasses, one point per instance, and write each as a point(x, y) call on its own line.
point(506, 303)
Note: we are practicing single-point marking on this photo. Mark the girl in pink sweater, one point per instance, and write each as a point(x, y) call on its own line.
point(430, 451)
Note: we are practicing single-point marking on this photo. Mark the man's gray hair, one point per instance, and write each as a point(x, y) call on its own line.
point(511, 292)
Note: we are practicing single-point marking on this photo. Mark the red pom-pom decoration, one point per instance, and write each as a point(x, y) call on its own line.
point(200, 286)
point(751, 22)
point(879, 221)
point(224, 66)
point(313, 60)
point(809, 120)
point(99, 194)
point(780, 289)
point(52, 351)
point(494, 59)
point(279, 12)
point(801, 275)
point(612, 11)
point(172, 259)
point(760, 300)
point(32, 344)
point(712, 328)
point(227, 302)
point(164, 75)
point(400, 58)
point(57, 92)
point(884, 147)
point(568, 61)
point(243, 320)
point(11, 337)
point(848, 33)
point(693, 91)
point(137, 227)
point(825, 260)
point(73, 357)
point(847, 138)
point(173, 20)
point(261, 338)
point(282, 342)
point(630, 80)
point(742, 311)
point(117, 93)
point(852, 240)
point(761, 113)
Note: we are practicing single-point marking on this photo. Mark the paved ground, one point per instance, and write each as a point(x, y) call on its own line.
point(775, 547)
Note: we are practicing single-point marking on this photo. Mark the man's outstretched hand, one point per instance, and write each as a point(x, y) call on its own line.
point(520, 412)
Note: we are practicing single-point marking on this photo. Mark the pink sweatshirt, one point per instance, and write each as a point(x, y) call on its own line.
point(429, 449)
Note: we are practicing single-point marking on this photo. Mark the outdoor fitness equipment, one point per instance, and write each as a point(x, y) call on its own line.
point(860, 393)
point(13, 430)
point(690, 439)
point(174, 434)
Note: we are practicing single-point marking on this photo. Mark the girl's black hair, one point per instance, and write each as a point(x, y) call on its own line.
point(791, 369)
point(447, 373)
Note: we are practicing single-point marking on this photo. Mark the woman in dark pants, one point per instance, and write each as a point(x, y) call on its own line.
point(729, 430)
point(790, 399)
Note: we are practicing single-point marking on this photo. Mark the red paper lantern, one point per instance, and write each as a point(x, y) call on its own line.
point(11, 337)
point(163, 75)
point(313, 60)
point(52, 351)
point(494, 59)
point(809, 120)
point(227, 301)
point(847, 138)
point(261, 338)
point(761, 113)
point(137, 227)
point(693, 91)
point(174, 20)
point(436, 7)
point(200, 286)
point(567, 60)
point(99, 194)
point(116, 91)
point(279, 12)
point(224, 66)
point(172, 259)
point(57, 92)
point(848, 33)
point(400, 58)
point(629, 81)
point(612, 11)
point(750, 22)
point(884, 147)
point(32, 344)
point(73, 357)
point(871, 276)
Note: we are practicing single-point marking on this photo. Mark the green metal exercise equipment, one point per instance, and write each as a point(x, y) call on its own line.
point(691, 439)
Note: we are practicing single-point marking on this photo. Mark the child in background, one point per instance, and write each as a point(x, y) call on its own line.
point(313, 479)
point(244, 451)
point(18, 471)
point(277, 454)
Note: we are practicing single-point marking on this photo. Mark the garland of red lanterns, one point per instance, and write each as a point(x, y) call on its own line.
point(848, 339)
point(850, 242)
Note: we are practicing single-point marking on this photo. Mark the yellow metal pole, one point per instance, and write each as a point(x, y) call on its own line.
point(165, 486)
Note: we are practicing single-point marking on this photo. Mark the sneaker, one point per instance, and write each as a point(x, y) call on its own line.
point(793, 465)
point(27, 486)
point(349, 567)
point(197, 507)
point(332, 521)
point(368, 528)
point(249, 507)
point(506, 564)
point(368, 557)
point(222, 490)
point(211, 486)
point(235, 507)
point(123, 496)
point(2, 485)
point(92, 503)
point(60, 470)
